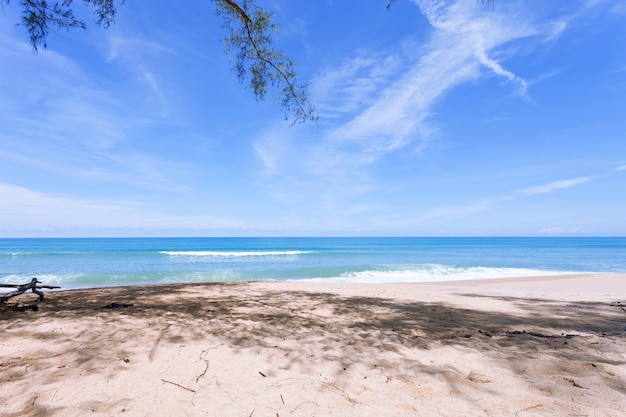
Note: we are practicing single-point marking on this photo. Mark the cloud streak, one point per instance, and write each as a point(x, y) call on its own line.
point(383, 116)
point(553, 186)
point(47, 211)
point(70, 123)
point(376, 103)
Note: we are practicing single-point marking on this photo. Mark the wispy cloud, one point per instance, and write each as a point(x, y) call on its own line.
point(553, 186)
point(557, 230)
point(387, 116)
point(69, 123)
point(142, 58)
point(130, 49)
point(354, 84)
point(465, 209)
point(48, 210)
point(64, 105)
point(65, 212)
point(378, 102)
point(271, 149)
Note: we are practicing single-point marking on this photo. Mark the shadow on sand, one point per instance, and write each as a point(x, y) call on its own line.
point(346, 329)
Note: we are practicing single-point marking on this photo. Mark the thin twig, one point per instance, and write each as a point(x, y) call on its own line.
point(339, 391)
point(206, 362)
point(204, 352)
point(178, 385)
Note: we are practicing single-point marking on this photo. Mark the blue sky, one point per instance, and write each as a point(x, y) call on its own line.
point(439, 117)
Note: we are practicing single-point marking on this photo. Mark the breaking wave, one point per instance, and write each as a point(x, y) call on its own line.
point(435, 273)
point(234, 254)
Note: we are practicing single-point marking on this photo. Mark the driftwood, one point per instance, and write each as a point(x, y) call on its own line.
point(21, 289)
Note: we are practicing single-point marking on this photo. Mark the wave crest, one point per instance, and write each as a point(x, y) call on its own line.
point(233, 254)
point(435, 273)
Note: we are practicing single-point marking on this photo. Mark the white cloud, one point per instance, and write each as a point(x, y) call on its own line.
point(131, 49)
point(621, 168)
point(151, 80)
point(65, 105)
point(353, 84)
point(271, 149)
point(22, 207)
point(69, 123)
point(142, 58)
point(556, 230)
point(493, 65)
point(378, 102)
point(401, 108)
point(26, 209)
point(389, 115)
point(553, 186)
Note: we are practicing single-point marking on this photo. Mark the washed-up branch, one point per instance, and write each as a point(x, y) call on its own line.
point(22, 288)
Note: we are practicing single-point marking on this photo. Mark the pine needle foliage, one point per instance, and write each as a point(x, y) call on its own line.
point(249, 39)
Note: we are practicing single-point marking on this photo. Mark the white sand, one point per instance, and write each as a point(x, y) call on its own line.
point(550, 346)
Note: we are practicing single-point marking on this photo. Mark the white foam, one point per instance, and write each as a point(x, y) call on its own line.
point(44, 279)
point(434, 273)
point(235, 253)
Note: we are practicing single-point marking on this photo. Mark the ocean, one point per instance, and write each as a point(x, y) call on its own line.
point(99, 262)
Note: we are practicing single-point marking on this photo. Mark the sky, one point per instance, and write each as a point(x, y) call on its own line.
point(436, 118)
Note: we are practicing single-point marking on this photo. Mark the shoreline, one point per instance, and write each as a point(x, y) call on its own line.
point(586, 285)
point(322, 281)
point(531, 346)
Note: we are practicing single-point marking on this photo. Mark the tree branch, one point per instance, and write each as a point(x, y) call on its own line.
point(260, 22)
point(251, 35)
point(239, 10)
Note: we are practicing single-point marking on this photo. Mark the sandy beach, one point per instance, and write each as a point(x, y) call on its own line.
point(546, 346)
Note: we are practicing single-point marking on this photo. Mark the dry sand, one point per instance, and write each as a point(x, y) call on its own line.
point(551, 346)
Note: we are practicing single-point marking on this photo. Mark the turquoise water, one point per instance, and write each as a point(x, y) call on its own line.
point(89, 262)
